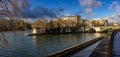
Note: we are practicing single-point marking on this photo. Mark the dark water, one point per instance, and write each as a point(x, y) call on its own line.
point(15, 44)
point(116, 45)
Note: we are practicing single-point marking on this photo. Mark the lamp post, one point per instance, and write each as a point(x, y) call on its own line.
point(84, 26)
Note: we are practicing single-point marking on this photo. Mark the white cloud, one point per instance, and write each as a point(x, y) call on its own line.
point(114, 18)
point(96, 18)
point(89, 5)
point(115, 6)
point(28, 20)
point(88, 10)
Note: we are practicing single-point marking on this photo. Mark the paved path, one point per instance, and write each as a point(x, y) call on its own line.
point(87, 51)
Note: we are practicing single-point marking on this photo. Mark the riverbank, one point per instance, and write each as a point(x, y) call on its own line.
point(68, 51)
point(14, 30)
point(31, 34)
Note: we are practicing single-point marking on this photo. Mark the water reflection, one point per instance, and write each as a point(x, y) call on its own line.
point(47, 44)
point(34, 38)
point(39, 46)
point(97, 34)
point(3, 41)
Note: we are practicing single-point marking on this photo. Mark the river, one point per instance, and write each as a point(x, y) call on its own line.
point(15, 44)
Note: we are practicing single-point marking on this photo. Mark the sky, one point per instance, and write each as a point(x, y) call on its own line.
point(85, 8)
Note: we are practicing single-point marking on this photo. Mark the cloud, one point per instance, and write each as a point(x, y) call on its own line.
point(28, 20)
point(114, 18)
point(89, 5)
point(39, 12)
point(115, 6)
point(88, 10)
point(42, 12)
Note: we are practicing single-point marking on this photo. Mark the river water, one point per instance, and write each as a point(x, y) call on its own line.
point(116, 45)
point(15, 44)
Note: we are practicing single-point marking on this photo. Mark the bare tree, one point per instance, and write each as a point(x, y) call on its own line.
point(13, 8)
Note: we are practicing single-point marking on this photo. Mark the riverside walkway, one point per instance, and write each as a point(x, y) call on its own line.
point(106, 46)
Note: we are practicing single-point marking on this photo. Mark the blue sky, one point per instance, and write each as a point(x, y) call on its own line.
point(99, 8)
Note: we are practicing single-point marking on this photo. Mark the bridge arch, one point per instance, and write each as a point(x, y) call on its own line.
point(92, 30)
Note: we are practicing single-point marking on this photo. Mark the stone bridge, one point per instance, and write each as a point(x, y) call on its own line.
point(99, 29)
point(94, 29)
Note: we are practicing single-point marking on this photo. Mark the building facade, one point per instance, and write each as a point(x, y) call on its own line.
point(99, 23)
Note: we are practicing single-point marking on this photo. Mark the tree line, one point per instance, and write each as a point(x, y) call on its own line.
point(12, 25)
point(59, 25)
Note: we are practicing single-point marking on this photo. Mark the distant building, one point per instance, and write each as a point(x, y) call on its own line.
point(102, 22)
point(76, 18)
